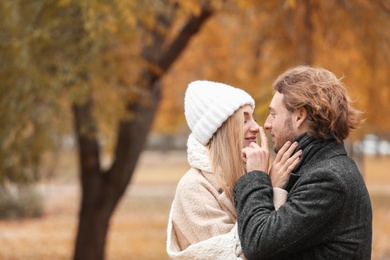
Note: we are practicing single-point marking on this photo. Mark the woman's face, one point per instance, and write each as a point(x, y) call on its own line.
point(251, 128)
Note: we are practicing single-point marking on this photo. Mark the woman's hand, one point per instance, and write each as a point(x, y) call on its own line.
point(257, 157)
point(284, 164)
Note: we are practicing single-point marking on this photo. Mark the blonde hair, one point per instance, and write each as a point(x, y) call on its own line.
point(323, 95)
point(225, 152)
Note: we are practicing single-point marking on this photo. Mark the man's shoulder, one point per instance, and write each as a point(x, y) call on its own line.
point(330, 155)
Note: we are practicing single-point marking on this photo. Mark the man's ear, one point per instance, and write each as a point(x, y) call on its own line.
point(300, 117)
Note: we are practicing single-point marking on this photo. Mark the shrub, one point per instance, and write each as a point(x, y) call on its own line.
point(20, 202)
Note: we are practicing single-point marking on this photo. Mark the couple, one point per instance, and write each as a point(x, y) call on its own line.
point(311, 204)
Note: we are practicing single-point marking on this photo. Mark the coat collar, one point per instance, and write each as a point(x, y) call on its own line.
point(310, 147)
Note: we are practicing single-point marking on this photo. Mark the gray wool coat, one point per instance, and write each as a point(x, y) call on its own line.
point(327, 214)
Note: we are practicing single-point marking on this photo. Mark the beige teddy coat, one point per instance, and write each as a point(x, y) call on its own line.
point(202, 221)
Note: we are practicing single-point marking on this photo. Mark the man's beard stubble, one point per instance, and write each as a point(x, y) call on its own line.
point(287, 135)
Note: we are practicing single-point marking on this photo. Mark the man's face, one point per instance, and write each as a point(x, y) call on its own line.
point(279, 122)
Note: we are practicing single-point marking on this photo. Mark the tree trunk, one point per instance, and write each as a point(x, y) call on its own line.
point(92, 232)
point(101, 191)
point(93, 223)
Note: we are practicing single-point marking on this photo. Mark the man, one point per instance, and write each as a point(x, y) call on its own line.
point(328, 212)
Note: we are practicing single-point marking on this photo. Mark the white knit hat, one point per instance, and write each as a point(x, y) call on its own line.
point(208, 104)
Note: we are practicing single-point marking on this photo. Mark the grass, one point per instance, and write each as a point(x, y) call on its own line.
point(138, 227)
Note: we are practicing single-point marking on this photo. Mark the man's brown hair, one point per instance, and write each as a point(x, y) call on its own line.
point(323, 95)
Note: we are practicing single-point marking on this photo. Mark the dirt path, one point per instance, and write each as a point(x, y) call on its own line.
point(138, 227)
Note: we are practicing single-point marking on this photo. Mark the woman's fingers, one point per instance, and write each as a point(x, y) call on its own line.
point(286, 151)
point(243, 154)
point(292, 161)
point(255, 157)
point(264, 140)
point(282, 150)
point(292, 166)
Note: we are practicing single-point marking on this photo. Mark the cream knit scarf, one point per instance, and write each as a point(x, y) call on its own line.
point(197, 155)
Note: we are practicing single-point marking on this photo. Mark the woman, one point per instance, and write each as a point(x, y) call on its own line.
point(202, 222)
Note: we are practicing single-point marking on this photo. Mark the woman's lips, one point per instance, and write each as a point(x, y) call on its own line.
point(251, 139)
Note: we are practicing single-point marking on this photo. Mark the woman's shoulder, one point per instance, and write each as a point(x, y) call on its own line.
point(196, 180)
point(193, 176)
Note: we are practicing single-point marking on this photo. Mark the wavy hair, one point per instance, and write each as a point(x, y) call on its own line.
point(323, 95)
point(225, 152)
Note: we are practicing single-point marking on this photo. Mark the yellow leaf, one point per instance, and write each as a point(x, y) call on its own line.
point(290, 4)
point(63, 3)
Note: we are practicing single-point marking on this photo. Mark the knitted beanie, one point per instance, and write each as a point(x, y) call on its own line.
point(208, 104)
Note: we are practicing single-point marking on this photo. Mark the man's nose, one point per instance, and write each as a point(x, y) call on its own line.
point(267, 124)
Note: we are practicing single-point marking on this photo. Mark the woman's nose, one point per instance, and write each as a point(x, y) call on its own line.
point(255, 127)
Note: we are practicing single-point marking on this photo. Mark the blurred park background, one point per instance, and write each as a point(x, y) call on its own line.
point(93, 135)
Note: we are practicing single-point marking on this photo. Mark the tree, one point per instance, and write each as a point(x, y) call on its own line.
point(66, 46)
point(109, 61)
point(260, 40)
point(102, 190)
point(26, 98)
